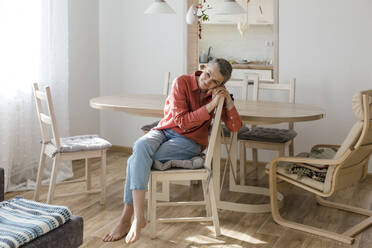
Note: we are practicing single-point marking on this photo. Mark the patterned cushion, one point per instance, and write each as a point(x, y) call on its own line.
point(83, 143)
point(268, 134)
point(147, 128)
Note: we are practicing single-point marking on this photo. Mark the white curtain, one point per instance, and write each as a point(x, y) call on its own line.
point(33, 48)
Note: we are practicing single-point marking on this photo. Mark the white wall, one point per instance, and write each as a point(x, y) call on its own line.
point(83, 66)
point(228, 43)
point(135, 52)
point(326, 45)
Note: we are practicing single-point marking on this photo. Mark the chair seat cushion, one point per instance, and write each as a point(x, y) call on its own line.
point(147, 128)
point(193, 163)
point(227, 132)
point(268, 135)
point(83, 143)
point(23, 220)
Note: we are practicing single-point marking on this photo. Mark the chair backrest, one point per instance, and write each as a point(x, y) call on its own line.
point(259, 86)
point(243, 84)
point(214, 133)
point(356, 149)
point(166, 83)
point(46, 116)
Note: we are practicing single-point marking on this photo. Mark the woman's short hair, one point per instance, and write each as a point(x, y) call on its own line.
point(224, 66)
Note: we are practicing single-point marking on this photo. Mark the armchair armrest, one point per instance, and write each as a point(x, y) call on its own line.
point(2, 184)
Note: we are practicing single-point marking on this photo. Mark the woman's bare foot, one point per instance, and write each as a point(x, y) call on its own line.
point(135, 230)
point(121, 229)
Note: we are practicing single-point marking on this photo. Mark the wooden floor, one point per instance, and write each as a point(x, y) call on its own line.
point(238, 229)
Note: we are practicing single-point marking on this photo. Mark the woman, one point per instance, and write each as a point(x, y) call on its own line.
point(180, 135)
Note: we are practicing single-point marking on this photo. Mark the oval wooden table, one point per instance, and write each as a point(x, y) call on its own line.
point(263, 112)
point(251, 112)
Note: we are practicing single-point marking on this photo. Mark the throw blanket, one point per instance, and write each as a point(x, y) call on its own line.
point(23, 220)
point(316, 172)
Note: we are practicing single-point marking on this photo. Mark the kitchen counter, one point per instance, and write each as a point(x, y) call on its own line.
point(251, 66)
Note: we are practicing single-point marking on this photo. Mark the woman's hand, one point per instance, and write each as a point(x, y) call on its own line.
point(217, 93)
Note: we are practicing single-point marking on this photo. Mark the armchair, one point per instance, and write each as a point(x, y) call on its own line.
point(348, 166)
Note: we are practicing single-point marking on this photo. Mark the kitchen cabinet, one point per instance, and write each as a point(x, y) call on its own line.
point(224, 19)
point(261, 12)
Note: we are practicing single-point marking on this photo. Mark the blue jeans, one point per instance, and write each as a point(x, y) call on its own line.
point(162, 145)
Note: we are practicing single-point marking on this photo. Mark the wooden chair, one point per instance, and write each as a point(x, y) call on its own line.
point(348, 166)
point(148, 127)
point(237, 83)
point(66, 149)
point(230, 140)
point(188, 174)
point(267, 138)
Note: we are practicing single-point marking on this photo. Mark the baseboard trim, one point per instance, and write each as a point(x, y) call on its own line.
point(116, 148)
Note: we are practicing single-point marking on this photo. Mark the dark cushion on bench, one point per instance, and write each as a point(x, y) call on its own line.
point(69, 235)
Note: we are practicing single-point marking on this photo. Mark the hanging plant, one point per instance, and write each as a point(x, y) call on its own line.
point(202, 16)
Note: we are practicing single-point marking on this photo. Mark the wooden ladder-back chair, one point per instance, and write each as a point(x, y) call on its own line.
point(148, 127)
point(267, 138)
point(341, 170)
point(243, 84)
point(230, 140)
point(189, 174)
point(66, 149)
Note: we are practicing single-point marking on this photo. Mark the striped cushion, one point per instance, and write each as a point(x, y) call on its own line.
point(193, 163)
point(23, 220)
point(83, 143)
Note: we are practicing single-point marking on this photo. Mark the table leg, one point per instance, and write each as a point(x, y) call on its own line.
point(233, 157)
point(233, 186)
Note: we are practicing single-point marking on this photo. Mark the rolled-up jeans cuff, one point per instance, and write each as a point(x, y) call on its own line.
point(137, 188)
point(129, 199)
